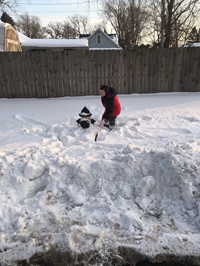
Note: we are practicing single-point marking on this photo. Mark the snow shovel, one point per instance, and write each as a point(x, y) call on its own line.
point(99, 128)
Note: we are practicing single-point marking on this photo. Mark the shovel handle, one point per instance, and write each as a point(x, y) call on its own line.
point(99, 128)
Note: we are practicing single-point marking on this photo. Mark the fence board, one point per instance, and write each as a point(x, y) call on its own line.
point(125, 80)
point(6, 78)
point(153, 65)
point(3, 80)
point(69, 64)
point(193, 68)
point(174, 71)
point(17, 91)
point(196, 86)
point(100, 69)
point(160, 63)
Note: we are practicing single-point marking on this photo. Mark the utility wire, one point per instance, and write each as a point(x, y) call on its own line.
point(66, 11)
point(56, 4)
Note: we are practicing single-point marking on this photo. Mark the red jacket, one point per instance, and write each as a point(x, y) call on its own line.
point(111, 104)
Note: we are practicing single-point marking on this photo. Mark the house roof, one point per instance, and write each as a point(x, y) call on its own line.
point(111, 35)
point(22, 37)
point(2, 25)
point(53, 43)
point(84, 36)
point(101, 49)
point(192, 44)
point(195, 44)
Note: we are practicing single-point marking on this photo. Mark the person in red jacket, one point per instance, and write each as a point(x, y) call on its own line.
point(112, 105)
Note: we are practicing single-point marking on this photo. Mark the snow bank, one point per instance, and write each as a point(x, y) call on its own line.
point(136, 187)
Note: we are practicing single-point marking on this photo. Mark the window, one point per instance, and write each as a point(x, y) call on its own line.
point(98, 39)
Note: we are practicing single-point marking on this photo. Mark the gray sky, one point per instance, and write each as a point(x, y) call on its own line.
point(58, 10)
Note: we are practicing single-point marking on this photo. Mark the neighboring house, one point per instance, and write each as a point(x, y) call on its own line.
point(53, 44)
point(9, 39)
point(100, 40)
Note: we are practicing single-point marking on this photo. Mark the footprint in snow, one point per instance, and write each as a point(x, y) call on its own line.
point(190, 119)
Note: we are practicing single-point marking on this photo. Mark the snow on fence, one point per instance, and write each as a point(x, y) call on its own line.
point(39, 74)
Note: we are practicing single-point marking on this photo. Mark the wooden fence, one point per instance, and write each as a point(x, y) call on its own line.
point(39, 74)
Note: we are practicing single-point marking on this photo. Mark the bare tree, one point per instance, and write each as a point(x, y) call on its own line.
point(59, 30)
point(30, 26)
point(194, 35)
point(172, 20)
point(69, 32)
point(7, 4)
point(70, 29)
point(128, 18)
point(79, 23)
point(99, 25)
point(54, 30)
point(138, 20)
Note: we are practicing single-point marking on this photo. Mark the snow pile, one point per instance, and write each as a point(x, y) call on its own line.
point(138, 186)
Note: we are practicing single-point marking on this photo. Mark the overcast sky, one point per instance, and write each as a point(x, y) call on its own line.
point(58, 10)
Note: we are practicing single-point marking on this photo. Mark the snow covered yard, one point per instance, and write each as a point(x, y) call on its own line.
point(137, 187)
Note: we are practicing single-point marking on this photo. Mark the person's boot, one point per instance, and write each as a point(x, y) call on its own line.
point(112, 125)
point(106, 123)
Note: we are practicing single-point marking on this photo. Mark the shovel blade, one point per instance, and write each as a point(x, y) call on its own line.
point(95, 139)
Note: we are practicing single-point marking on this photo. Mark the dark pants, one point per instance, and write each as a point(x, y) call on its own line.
point(110, 121)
